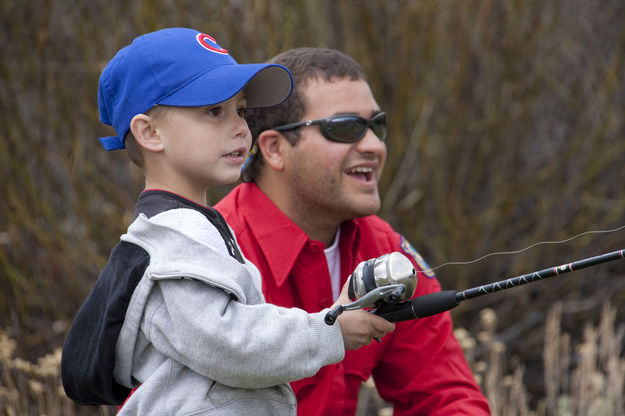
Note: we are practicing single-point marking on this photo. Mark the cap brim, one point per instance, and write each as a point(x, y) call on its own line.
point(265, 85)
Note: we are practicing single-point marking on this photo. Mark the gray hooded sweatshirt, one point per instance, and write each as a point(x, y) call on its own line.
point(198, 337)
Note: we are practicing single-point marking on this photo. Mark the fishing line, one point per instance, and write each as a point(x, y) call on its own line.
point(505, 253)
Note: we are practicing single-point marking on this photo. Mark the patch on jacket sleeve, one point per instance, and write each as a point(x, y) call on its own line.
point(410, 250)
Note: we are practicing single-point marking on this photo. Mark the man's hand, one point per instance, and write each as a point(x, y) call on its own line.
point(360, 327)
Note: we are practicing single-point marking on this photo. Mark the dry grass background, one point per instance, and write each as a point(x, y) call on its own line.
point(507, 128)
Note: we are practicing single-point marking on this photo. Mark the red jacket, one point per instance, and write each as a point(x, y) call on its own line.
point(419, 367)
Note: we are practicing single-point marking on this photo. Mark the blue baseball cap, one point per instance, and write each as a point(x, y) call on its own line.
point(185, 68)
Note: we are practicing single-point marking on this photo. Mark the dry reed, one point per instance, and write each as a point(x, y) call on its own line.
point(28, 388)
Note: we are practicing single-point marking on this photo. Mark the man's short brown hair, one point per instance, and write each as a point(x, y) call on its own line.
point(305, 64)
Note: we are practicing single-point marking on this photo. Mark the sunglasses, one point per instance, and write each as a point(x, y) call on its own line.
point(346, 128)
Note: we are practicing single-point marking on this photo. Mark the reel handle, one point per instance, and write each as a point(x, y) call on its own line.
point(391, 293)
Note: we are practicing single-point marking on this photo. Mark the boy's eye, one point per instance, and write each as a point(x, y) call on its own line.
point(214, 111)
point(241, 111)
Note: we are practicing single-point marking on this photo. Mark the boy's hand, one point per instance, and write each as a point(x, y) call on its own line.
point(360, 327)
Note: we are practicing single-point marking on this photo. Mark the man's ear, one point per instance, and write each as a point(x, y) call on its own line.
point(272, 144)
point(145, 132)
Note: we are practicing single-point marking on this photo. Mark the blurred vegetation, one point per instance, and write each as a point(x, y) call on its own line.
point(507, 128)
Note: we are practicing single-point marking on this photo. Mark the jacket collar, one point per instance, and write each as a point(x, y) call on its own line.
point(280, 239)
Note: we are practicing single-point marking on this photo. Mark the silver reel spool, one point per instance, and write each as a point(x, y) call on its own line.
point(386, 270)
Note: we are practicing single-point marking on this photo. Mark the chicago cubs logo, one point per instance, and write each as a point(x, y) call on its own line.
point(209, 43)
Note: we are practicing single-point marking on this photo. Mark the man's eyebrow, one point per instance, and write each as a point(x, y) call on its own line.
point(373, 113)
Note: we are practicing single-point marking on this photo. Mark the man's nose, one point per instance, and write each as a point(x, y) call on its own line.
point(371, 143)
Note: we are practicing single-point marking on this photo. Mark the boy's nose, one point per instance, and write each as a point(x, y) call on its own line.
point(241, 127)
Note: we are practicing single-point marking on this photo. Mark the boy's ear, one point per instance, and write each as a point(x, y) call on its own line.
point(145, 132)
point(272, 146)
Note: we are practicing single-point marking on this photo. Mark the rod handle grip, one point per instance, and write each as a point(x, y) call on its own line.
point(419, 307)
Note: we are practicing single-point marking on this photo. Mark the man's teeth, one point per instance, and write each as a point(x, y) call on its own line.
point(235, 154)
point(360, 170)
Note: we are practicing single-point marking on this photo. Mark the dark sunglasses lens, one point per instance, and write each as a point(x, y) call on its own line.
point(378, 125)
point(345, 129)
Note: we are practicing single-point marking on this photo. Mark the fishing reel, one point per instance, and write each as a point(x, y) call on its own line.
point(387, 280)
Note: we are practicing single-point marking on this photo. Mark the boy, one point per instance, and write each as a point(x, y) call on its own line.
point(177, 309)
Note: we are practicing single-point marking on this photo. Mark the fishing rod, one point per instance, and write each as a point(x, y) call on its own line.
point(382, 283)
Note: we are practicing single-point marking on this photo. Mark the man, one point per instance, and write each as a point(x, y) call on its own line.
point(305, 218)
